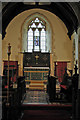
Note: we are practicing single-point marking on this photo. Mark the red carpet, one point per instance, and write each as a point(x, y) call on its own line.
point(34, 108)
point(46, 115)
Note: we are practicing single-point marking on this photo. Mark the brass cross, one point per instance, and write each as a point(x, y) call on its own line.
point(36, 57)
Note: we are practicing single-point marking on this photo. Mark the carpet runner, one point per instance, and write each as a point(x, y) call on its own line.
point(36, 106)
point(46, 115)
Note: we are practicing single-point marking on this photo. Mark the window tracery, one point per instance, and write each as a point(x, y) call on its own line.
point(36, 36)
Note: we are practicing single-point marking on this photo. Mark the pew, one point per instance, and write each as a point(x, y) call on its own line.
point(21, 86)
point(16, 96)
point(51, 88)
point(66, 89)
point(75, 101)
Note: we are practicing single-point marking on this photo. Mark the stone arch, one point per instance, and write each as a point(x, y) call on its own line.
point(49, 30)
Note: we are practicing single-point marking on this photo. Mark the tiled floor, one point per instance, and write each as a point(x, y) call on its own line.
point(36, 97)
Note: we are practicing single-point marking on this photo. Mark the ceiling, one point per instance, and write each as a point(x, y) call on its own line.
point(67, 12)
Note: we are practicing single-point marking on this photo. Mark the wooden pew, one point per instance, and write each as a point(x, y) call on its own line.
point(16, 95)
point(51, 88)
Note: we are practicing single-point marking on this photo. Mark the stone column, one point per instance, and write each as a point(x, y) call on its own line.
point(79, 55)
point(74, 51)
point(76, 60)
point(20, 64)
point(51, 64)
point(0, 60)
point(78, 91)
point(0, 76)
point(0, 54)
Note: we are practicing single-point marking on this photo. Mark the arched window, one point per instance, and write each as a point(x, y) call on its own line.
point(36, 36)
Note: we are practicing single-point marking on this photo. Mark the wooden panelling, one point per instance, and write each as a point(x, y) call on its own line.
point(36, 59)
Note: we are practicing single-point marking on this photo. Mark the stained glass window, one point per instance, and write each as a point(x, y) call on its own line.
point(36, 36)
point(30, 40)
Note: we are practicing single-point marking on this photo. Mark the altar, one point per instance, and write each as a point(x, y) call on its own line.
point(36, 77)
point(36, 67)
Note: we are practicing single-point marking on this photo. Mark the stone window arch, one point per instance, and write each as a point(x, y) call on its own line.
point(45, 44)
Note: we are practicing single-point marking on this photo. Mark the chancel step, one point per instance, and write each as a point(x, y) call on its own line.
point(36, 85)
point(36, 88)
point(36, 81)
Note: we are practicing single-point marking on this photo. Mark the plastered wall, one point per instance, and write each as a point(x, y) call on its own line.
point(61, 44)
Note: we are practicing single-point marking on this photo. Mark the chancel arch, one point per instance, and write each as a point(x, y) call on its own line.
point(56, 36)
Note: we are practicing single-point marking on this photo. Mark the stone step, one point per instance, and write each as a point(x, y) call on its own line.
point(36, 85)
point(36, 81)
point(36, 88)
